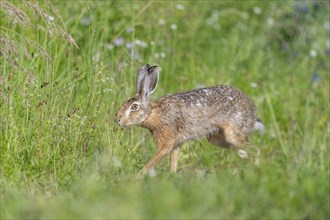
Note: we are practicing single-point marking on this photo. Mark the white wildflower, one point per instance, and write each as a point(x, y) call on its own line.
point(174, 26)
point(213, 19)
point(179, 7)
point(140, 43)
point(86, 20)
point(152, 173)
point(313, 53)
point(109, 46)
point(116, 162)
point(161, 22)
point(107, 90)
point(257, 10)
point(270, 22)
point(254, 85)
point(96, 57)
point(51, 18)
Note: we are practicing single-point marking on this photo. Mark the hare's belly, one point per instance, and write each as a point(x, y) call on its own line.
point(197, 127)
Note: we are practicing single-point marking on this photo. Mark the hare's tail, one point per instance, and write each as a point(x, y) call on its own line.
point(259, 126)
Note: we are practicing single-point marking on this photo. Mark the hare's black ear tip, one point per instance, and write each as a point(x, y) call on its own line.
point(154, 68)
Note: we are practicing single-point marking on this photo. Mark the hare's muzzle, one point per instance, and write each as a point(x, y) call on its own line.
point(118, 121)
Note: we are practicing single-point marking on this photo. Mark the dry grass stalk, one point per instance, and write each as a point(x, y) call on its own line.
point(11, 47)
point(49, 21)
point(15, 14)
point(12, 44)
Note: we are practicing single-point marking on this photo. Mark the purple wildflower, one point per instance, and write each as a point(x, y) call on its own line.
point(119, 41)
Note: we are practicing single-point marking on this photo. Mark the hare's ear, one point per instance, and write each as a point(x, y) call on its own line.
point(150, 81)
point(140, 77)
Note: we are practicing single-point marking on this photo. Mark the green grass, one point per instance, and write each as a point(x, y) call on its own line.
point(62, 156)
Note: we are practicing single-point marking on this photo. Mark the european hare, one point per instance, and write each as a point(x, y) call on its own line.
point(223, 114)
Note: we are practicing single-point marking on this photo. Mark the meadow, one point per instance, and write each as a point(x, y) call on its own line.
point(67, 66)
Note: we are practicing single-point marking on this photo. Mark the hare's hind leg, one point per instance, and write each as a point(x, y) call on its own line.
point(229, 136)
point(218, 139)
point(234, 136)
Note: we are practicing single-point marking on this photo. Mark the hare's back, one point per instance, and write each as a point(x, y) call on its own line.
point(222, 96)
point(218, 104)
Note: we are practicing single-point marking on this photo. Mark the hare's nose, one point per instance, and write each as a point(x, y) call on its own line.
point(117, 120)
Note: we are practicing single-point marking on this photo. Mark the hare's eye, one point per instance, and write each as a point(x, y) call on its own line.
point(134, 106)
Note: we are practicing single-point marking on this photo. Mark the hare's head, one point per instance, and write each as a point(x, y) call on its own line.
point(137, 109)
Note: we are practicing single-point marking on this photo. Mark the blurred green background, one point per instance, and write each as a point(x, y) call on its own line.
point(67, 66)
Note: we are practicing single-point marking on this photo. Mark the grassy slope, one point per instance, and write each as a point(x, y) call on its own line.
point(62, 156)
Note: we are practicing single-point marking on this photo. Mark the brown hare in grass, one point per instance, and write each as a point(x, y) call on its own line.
point(223, 114)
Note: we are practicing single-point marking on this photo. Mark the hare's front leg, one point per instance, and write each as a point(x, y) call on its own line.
point(174, 159)
point(161, 153)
